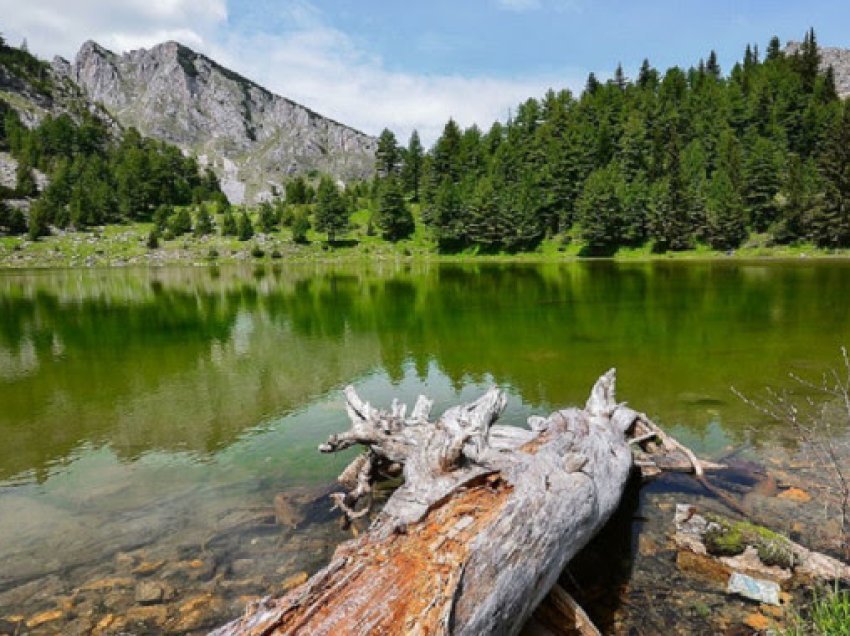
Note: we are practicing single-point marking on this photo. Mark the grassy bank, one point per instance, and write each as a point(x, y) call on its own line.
point(119, 245)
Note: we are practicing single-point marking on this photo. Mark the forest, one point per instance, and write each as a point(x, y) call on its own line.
point(675, 159)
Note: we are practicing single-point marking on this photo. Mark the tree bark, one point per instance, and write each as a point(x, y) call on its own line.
point(486, 520)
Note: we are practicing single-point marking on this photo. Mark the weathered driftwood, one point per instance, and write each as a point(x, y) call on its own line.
point(485, 521)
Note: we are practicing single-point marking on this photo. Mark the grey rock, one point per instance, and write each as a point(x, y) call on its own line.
point(150, 593)
point(253, 139)
point(753, 589)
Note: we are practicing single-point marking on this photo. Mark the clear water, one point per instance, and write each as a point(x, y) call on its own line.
point(148, 409)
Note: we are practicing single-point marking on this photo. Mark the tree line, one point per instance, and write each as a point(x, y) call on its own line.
point(676, 160)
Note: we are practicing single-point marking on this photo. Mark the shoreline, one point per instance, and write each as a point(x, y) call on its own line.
point(124, 246)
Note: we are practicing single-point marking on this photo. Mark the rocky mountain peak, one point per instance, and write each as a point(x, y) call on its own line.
point(255, 140)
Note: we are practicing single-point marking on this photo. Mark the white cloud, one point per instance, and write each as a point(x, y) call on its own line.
point(59, 27)
point(309, 62)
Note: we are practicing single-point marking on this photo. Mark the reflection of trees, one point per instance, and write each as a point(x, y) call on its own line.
point(149, 359)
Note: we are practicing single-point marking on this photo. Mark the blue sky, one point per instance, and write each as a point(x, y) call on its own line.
point(406, 64)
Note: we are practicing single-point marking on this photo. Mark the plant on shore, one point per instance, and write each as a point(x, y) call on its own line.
point(828, 615)
point(822, 421)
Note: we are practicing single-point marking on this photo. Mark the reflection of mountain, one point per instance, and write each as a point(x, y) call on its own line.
point(185, 358)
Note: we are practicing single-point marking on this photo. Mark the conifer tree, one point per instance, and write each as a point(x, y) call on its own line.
point(600, 211)
point(393, 217)
point(831, 221)
point(387, 155)
point(726, 222)
point(245, 229)
point(300, 227)
point(228, 224)
point(761, 181)
point(331, 215)
point(180, 222)
point(412, 170)
point(267, 217)
point(203, 222)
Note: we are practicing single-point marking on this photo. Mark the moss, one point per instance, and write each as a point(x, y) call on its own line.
point(724, 540)
point(725, 537)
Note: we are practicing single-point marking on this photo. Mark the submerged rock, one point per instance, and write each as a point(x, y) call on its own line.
point(754, 589)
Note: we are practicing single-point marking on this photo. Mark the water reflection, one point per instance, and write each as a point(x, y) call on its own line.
point(143, 409)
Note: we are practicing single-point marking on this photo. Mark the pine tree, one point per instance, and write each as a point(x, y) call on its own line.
point(797, 203)
point(267, 218)
point(300, 227)
point(228, 224)
point(831, 221)
point(387, 155)
point(412, 169)
point(808, 61)
point(725, 213)
point(25, 184)
point(203, 223)
point(600, 211)
point(245, 229)
point(38, 225)
point(331, 215)
point(393, 217)
point(761, 181)
point(180, 222)
point(669, 208)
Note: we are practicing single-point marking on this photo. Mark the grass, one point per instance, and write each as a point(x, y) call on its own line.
point(126, 244)
point(828, 615)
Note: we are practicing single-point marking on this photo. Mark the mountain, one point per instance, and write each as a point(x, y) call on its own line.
point(837, 58)
point(35, 89)
point(252, 138)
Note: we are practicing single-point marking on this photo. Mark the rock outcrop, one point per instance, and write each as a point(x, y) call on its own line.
point(252, 138)
point(837, 58)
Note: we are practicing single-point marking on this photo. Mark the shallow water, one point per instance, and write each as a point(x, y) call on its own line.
point(152, 416)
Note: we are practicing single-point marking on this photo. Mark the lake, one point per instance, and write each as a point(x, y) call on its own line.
point(149, 418)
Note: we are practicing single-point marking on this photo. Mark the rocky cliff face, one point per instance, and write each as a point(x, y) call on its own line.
point(838, 59)
point(253, 139)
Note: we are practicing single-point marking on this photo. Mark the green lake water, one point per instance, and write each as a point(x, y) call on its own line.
point(148, 409)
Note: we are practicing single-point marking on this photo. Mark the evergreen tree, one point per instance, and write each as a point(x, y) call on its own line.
point(267, 218)
point(228, 224)
point(38, 225)
point(245, 229)
point(296, 191)
point(387, 155)
point(153, 239)
point(831, 220)
point(600, 211)
point(25, 185)
point(797, 201)
point(727, 227)
point(300, 227)
point(180, 222)
point(203, 223)
point(669, 206)
point(394, 217)
point(762, 174)
point(412, 170)
point(331, 215)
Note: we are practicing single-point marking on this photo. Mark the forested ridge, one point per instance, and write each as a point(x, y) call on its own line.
point(677, 159)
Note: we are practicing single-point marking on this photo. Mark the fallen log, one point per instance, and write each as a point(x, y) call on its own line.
point(483, 525)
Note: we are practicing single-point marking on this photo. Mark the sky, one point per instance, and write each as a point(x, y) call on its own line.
point(412, 64)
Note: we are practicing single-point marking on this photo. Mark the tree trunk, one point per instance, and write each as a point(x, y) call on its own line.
point(486, 520)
